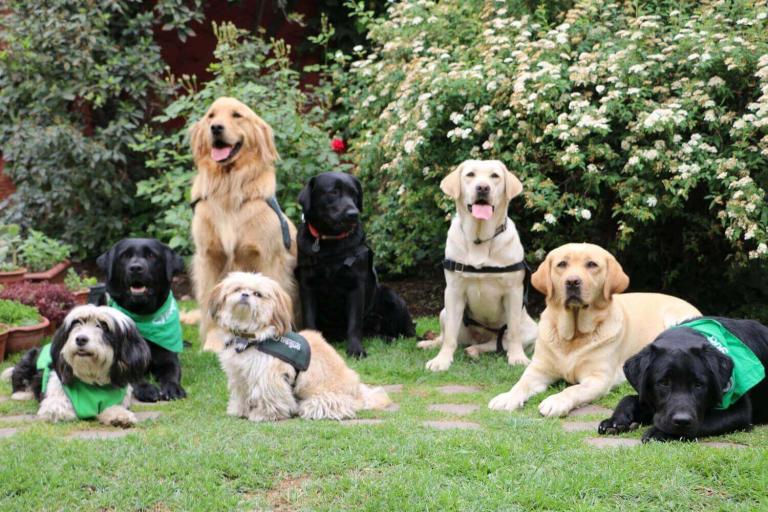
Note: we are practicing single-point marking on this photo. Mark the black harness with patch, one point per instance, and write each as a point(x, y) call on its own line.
point(291, 348)
point(455, 266)
point(272, 203)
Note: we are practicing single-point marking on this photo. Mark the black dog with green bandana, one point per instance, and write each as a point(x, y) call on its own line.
point(704, 377)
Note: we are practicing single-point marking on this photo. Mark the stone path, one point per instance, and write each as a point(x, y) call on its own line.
point(580, 426)
point(455, 389)
point(588, 410)
point(457, 409)
point(393, 388)
point(449, 425)
point(19, 417)
point(363, 421)
point(147, 415)
point(7, 432)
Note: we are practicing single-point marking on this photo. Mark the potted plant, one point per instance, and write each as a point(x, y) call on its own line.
point(10, 270)
point(53, 301)
point(79, 285)
point(27, 326)
point(5, 329)
point(45, 258)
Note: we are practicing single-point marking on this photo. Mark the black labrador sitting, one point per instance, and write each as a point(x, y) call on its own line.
point(340, 293)
point(138, 274)
point(691, 383)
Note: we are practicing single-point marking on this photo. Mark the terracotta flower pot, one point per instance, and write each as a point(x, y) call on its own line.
point(54, 274)
point(12, 276)
point(81, 296)
point(4, 332)
point(24, 338)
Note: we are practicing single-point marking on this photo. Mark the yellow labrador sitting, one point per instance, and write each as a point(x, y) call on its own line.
point(484, 268)
point(588, 329)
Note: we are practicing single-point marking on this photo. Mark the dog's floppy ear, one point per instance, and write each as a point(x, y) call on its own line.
point(215, 301)
point(721, 367)
point(131, 352)
point(359, 189)
point(174, 263)
point(305, 196)
point(63, 370)
point(282, 311)
point(198, 140)
point(541, 279)
point(512, 185)
point(451, 184)
point(616, 281)
point(106, 261)
point(264, 140)
point(636, 370)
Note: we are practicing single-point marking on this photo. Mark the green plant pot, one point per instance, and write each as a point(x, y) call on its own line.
point(55, 274)
point(12, 276)
point(24, 338)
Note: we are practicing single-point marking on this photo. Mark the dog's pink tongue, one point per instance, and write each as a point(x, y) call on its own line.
point(482, 211)
point(220, 154)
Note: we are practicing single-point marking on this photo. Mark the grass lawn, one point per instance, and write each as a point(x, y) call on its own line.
point(195, 457)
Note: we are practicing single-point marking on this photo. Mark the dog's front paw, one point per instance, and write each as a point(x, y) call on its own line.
point(428, 343)
point(146, 392)
point(172, 391)
point(118, 417)
point(654, 434)
point(356, 351)
point(439, 363)
point(617, 425)
point(508, 401)
point(55, 410)
point(556, 405)
point(518, 358)
point(261, 416)
point(472, 351)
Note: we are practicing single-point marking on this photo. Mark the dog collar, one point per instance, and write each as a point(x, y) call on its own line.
point(318, 236)
point(499, 230)
point(291, 348)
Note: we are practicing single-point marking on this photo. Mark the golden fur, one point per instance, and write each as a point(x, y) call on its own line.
point(233, 227)
point(260, 385)
point(585, 337)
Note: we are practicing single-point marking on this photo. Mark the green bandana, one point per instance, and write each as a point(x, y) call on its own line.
point(748, 371)
point(88, 400)
point(163, 327)
point(292, 348)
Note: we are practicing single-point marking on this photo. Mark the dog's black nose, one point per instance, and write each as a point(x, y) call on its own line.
point(245, 295)
point(573, 282)
point(216, 129)
point(135, 268)
point(682, 419)
point(351, 215)
point(483, 189)
point(81, 341)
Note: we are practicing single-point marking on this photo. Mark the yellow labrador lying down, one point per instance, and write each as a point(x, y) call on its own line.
point(588, 329)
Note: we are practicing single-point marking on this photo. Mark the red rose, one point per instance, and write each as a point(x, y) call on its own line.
point(338, 146)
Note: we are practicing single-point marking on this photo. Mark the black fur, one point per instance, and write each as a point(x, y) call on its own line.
point(680, 378)
point(340, 294)
point(146, 262)
point(131, 359)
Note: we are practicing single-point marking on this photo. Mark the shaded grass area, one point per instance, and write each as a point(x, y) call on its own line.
point(195, 457)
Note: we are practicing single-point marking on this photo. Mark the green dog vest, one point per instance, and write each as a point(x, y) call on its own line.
point(292, 348)
point(88, 400)
point(163, 327)
point(748, 371)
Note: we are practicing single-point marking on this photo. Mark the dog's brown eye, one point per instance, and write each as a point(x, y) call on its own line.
point(236, 115)
point(591, 264)
point(494, 176)
point(210, 116)
point(257, 294)
point(664, 382)
point(470, 175)
point(562, 264)
point(102, 326)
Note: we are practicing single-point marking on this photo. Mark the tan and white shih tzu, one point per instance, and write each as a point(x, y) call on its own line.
point(273, 373)
point(84, 373)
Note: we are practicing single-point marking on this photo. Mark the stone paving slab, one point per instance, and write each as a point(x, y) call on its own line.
point(362, 421)
point(450, 425)
point(393, 388)
point(455, 389)
point(19, 417)
point(3, 399)
point(392, 408)
point(580, 426)
point(7, 432)
point(147, 415)
point(611, 442)
point(98, 434)
point(591, 410)
point(457, 409)
point(722, 444)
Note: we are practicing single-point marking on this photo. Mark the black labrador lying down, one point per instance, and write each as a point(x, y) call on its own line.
point(340, 293)
point(139, 273)
point(704, 377)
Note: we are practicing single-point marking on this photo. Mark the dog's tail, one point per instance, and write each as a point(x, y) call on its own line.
point(190, 317)
point(374, 398)
point(7, 374)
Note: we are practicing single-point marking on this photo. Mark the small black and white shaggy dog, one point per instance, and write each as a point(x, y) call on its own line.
point(692, 384)
point(340, 293)
point(138, 275)
point(85, 372)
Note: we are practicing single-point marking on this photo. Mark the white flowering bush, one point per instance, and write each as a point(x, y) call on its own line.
point(644, 129)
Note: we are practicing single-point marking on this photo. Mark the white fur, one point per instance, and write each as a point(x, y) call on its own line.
point(56, 405)
point(7, 374)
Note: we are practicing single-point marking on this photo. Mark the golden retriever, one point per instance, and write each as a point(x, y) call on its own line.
point(255, 313)
point(233, 226)
point(481, 307)
point(588, 329)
